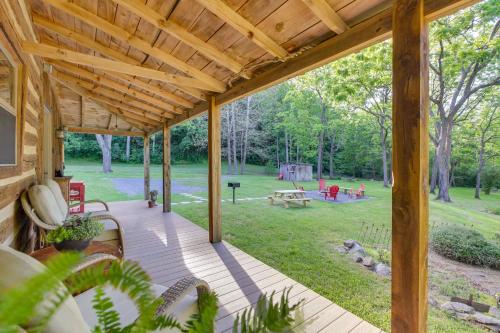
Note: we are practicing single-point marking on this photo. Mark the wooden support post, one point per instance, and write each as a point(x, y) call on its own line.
point(214, 172)
point(410, 211)
point(167, 200)
point(146, 168)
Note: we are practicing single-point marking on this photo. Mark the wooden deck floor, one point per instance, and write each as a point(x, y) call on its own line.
point(170, 247)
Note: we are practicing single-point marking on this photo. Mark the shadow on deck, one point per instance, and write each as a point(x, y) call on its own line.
point(170, 247)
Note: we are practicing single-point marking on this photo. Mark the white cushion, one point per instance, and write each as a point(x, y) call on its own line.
point(17, 267)
point(127, 310)
point(56, 191)
point(45, 204)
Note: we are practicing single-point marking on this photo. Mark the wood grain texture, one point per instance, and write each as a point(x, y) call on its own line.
point(410, 167)
point(214, 172)
point(167, 181)
point(104, 131)
point(328, 16)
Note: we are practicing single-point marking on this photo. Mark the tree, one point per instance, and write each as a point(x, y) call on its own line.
point(104, 142)
point(464, 63)
point(127, 149)
point(367, 77)
point(245, 136)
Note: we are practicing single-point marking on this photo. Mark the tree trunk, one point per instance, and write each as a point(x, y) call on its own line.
point(321, 143)
point(383, 146)
point(127, 149)
point(434, 174)
point(287, 159)
point(235, 143)
point(298, 160)
point(228, 140)
point(245, 138)
point(278, 152)
point(443, 156)
point(104, 142)
point(480, 168)
point(153, 148)
point(332, 151)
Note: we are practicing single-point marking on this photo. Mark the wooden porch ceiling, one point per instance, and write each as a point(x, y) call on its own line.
point(148, 63)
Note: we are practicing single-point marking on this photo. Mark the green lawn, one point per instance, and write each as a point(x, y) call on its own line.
point(300, 242)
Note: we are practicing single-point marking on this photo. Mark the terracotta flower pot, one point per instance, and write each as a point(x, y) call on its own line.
point(72, 245)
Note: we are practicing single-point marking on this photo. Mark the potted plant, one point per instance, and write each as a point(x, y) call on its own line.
point(153, 195)
point(75, 233)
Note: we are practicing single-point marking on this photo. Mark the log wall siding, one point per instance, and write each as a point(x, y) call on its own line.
point(11, 186)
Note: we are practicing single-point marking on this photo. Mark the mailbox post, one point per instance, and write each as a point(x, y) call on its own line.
point(234, 185)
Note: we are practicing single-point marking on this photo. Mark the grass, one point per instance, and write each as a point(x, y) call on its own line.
point(300, 242)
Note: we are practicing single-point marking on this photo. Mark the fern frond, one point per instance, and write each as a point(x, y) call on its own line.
point(108, 319)
point(19, 305)
point(205, 319)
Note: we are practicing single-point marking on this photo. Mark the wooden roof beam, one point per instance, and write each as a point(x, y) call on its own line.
point(149, 14)
point(247, 29)
point(136, 42)
point(89, 130)
point(131, 113)
point(113, 54)
point(101, 80)
point(327, 15)
point(127, 102)
point(51, 52)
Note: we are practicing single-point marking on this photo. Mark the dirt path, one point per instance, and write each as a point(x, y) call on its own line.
point(484, 279)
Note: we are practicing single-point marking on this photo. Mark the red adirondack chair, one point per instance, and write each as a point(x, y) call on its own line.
point(360, 191)
point(322, 185)
point(332, 193)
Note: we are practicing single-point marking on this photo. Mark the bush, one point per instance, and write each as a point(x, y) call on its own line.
point(465, 245)
point(490, 179)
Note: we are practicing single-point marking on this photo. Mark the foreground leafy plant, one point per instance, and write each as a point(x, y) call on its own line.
point(40, 297)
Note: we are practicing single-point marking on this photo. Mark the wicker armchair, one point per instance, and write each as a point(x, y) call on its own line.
point(44, 210)
point(77, 315)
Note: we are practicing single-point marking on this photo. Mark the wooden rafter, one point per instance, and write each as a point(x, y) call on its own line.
point(247, 29)
point(113, 54)
point(51, 52)
point(130, 112)
point(138, 43)
point(125, 100)
point(172, 28)
point(101, 80)
point(327, 15)
point(89, 130)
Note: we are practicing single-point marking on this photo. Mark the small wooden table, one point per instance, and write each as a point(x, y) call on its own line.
point(288, 196)
point(43, 255)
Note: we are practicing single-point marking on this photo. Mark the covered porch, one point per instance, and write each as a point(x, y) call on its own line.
point(124, 67)
point(170, 247)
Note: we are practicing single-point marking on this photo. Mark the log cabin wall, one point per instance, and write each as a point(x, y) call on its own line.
point(15, 25)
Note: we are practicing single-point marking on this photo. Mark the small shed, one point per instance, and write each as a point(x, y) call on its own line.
point(296, 171)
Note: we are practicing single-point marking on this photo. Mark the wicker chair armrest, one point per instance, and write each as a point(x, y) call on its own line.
point(120, 228)
point(93, 259)
point(180, 290)
point(91, 201)
point(30, 212)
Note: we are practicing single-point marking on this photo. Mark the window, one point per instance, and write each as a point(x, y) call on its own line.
point(10, 109)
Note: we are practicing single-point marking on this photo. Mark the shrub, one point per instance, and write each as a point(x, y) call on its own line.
point(490, 179)
point(465, 245)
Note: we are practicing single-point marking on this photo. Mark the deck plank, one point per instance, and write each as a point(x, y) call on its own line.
point(170, 247)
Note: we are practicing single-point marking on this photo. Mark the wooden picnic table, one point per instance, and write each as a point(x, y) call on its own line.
point(288, 196)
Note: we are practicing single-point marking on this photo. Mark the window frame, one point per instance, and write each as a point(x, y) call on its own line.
point(16, 107)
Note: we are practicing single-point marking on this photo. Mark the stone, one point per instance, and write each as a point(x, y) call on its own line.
point(382, 269)
point(357, 249)
point(368, 262)
point(432, 301)
point(485, 320)
point(350, 243)
point(357, 257)
point(456, 307)
point(494, 311)
point(341, 249)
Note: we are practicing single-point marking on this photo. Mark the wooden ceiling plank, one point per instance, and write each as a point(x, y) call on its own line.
point(101, 80)
point(111, 53)
point(138, 43)
point(150, 15)
point(327, 15)
point(45, 50)
point(132, 113)
point(128, 102)
point(90, 130)
point(238, 22)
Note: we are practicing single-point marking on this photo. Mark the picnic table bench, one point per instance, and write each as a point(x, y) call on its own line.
point(287, 196)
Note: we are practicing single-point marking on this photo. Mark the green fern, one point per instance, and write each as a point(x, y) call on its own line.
point(267, 316)
point(205, 319)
